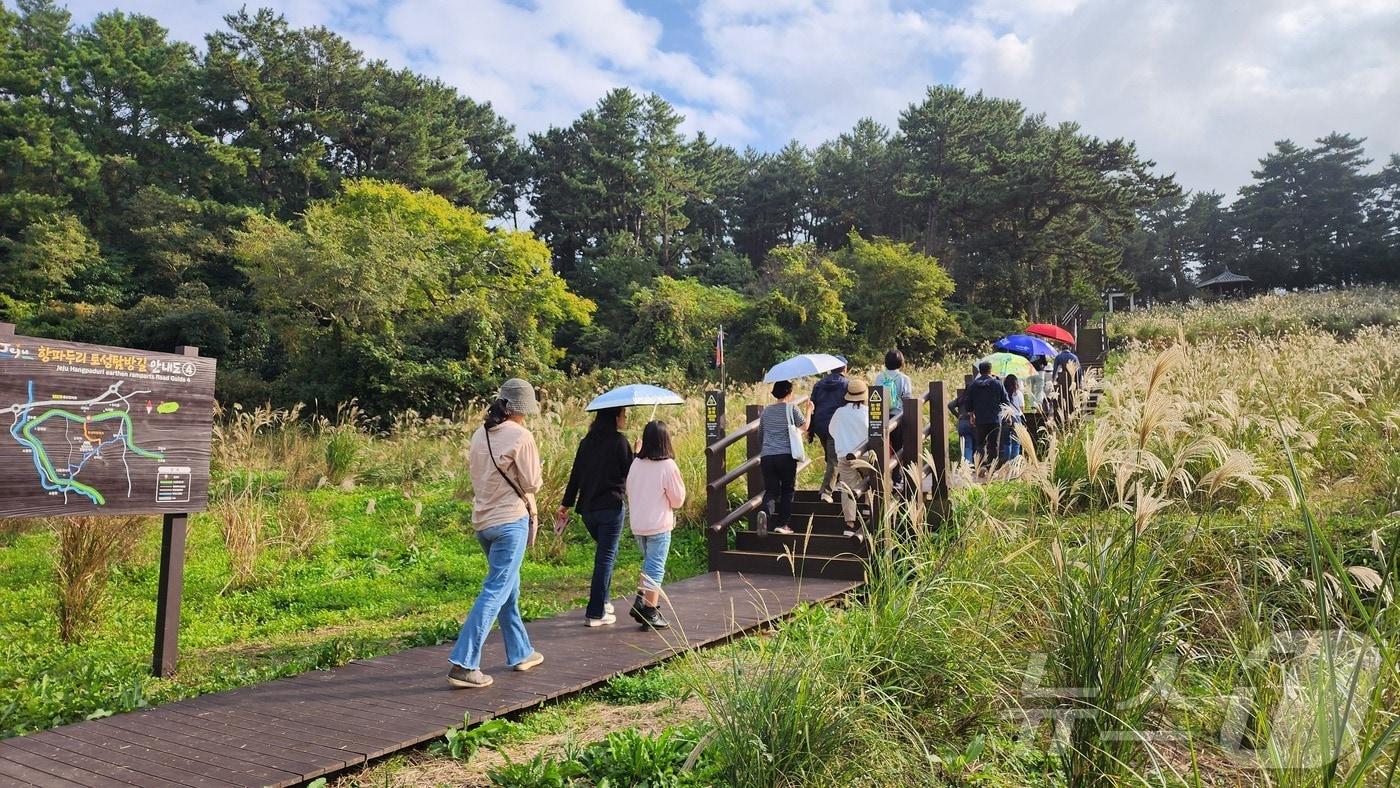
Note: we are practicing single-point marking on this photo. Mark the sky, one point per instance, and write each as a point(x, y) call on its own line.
point(1204, 87)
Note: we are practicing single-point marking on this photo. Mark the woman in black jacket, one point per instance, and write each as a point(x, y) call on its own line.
point(597, 490)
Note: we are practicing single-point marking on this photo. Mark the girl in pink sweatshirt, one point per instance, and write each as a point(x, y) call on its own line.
point(654, 492)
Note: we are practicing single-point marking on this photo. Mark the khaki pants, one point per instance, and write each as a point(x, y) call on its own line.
point(848, 479)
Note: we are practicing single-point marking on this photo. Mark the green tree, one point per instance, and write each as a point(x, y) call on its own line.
point(854, 186)
point(675, 321)
point(402, 300)
point(1301, 221)
point(46, 258)
point(801, 311)
point(897, 296)
point(775, 203)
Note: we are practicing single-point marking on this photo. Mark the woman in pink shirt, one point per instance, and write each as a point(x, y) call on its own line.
point(654, 492)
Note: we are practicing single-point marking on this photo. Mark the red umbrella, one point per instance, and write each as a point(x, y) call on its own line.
point(1051, 331)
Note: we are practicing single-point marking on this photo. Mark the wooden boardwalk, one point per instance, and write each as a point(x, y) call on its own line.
point(292, 730)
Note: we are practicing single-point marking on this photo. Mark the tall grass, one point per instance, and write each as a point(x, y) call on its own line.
point(88, 549)
point(1112, 614)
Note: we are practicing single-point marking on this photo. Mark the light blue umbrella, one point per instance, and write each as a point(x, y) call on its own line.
point(803, 366)
point(634, 395)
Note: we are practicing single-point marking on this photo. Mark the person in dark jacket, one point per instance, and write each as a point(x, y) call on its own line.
point(827, 395)
point(597, 490)
point(986, 396)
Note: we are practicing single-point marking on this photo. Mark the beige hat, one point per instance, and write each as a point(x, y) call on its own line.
point(856, 390)
point(519, 396)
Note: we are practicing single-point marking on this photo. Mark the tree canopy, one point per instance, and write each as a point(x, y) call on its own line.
point(334, 227)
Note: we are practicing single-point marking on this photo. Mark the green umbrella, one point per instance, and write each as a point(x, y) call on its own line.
point(1004, 364)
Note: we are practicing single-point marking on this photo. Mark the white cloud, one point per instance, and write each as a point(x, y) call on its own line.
point(1204, 87)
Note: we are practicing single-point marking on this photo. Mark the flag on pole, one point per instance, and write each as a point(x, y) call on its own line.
point(719, 348)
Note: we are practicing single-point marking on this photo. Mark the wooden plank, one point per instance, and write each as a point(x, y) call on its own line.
point(98, 736)
point(292, 762)
point(300, 737)
point(251, 742)
point(18, 774)
point(71, 773)
point(132, 762)
point(112, 773)
point(232, 767)
point(359, 743)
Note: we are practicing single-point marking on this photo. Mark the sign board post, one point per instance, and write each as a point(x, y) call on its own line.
point(96, 430)
point(878, 419)
point(716, 500)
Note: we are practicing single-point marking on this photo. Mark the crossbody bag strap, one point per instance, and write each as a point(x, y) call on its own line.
point(492, 454)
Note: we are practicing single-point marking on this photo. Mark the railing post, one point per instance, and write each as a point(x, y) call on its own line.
point(754, 444)
point(716, 500)
point(911, 443)
point(938, 449)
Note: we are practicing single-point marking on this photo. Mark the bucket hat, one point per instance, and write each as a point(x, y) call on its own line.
point(519, 396)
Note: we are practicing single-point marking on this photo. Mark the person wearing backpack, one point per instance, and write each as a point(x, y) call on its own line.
point(783, 428)
point(506, 473)
point(897, 386)
point(827, 396)
point(655, 491)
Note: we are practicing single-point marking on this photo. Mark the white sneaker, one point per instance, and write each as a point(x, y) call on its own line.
point(608, 618)
point(608, 608)
point(827, 498)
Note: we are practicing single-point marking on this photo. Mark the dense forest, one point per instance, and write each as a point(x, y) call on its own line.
point(334, 228)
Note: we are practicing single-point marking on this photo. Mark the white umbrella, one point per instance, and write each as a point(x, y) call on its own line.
point(803, 366)
point(633, 395)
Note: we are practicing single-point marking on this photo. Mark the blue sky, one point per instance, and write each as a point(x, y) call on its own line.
point(1204, 86)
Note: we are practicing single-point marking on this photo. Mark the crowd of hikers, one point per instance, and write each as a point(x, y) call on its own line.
point(990, 407)
point(615, 482)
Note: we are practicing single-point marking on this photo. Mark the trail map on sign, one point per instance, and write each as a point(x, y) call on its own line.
point(87, 429)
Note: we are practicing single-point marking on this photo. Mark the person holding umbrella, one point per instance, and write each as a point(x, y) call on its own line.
point(779, 457)
point(784, 429)
point(597, 489)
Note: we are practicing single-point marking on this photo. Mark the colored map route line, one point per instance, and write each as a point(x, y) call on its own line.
point(22, 432)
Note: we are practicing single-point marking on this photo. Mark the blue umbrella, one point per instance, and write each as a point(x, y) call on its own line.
point(803, 366)
point(633, 395)
point(1025, 345)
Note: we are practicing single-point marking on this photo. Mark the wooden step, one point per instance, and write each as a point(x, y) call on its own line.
point(841, 568)
point(816, 507)
point(798, 543)
point(819, 523)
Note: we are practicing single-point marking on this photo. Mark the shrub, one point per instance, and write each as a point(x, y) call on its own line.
point(88, 548)
point(240, 514)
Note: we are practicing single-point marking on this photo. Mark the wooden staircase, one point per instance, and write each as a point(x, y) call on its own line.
point(817, 547)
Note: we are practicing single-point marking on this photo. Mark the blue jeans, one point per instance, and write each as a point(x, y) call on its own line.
point(967, 437)
point(1010, 443)
point(499, 598)
point(654, 551)
point(606, 528)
